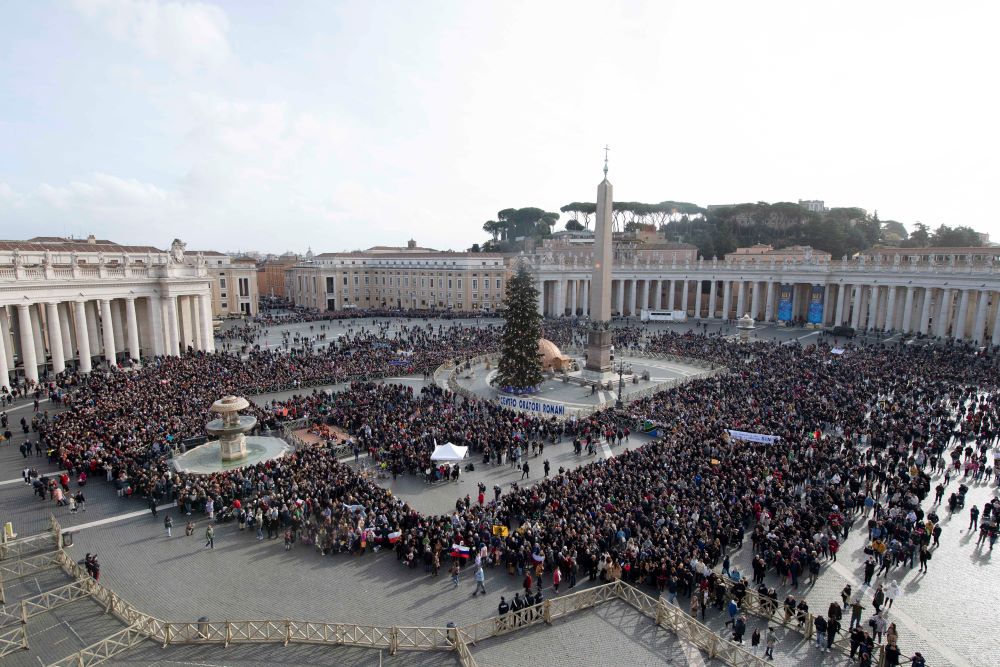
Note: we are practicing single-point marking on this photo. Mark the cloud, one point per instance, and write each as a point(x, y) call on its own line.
point(186, 35)
point(106, 193)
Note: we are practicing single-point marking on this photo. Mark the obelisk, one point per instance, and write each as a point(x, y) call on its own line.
point(599, 335)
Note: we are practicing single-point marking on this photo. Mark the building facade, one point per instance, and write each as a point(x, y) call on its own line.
point(408, 277)
point(271, 275)
point(947, 292)
point(234, 284)
point(79, 302)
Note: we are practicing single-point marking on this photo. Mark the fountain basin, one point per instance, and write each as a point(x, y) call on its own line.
point(221, 427)
point(207, 458)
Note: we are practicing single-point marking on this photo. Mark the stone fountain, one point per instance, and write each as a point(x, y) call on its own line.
point(234, 448)
point(231, 428)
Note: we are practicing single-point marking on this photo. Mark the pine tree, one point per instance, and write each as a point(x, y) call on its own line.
point(520, 367)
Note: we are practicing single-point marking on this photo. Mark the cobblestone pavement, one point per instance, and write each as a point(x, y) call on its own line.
point(266, 655)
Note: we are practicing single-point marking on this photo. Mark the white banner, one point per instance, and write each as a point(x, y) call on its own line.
point(752, 437)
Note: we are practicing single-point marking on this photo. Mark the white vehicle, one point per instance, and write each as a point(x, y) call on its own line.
point(647, 315)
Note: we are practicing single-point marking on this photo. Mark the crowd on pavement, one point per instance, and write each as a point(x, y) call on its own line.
point(857, 437)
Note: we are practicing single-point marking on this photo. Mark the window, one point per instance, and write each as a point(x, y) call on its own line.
point(366, 280)
point(225, 304)
point(222, 283)
point(356, 283)
point(345, 281)
point(459, 283)
point(329, 284)
point(449, 283)
point(223, 295)
point(475, 284)
point(432, 282)
point(245, 286)
point(498, 283)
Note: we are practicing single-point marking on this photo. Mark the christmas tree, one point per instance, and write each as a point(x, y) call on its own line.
point(520, 369)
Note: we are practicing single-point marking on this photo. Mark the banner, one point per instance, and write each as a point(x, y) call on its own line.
point(501, 531)
point(531, 405)
point(816, 305)
point(752, 437)
point(785, 303)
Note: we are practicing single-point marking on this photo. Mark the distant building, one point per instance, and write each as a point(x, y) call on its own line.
point(271, 274)
point(762, 252)
point(410, 277)
point(814, 205)
point(234, 284)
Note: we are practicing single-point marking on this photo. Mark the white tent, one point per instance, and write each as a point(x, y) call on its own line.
point(449, 453)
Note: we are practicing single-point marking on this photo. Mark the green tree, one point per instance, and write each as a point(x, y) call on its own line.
point(574, 225)
point(955, 237)
point(920, 237)
point(520, 366)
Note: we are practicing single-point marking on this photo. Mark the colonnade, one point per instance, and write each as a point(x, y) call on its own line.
point(960, 311)
point(41, 336)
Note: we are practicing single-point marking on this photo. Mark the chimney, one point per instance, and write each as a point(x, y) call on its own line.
point(411, 244)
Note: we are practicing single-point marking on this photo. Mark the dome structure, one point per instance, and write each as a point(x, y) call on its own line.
point(550, 356)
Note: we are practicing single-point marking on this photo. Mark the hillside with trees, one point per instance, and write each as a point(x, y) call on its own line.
point(717, 230)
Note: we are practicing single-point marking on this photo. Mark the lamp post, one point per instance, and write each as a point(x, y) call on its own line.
point(621, 381)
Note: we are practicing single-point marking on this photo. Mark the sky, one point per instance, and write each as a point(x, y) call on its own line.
point(274, 126)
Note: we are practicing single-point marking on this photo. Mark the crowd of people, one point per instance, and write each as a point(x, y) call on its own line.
point(857, 437)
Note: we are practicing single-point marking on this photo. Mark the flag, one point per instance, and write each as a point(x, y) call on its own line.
point(459, 551)
point(394, 537)
point(816, 434)
point(501, 531)
point(538, 558)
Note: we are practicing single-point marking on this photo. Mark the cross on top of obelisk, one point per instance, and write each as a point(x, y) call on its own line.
point(606, 149)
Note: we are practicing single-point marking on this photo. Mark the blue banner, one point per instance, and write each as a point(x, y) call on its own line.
point(816, 305)
point(785, 303)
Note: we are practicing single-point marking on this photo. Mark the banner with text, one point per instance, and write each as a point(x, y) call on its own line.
point(753, 437)
point(816, 305)
point(785, 303)
point(531, 405)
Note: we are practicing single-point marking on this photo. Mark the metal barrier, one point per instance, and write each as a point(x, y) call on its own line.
point(140, 626)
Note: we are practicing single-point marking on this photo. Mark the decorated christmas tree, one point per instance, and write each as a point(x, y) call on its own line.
point(520, 369)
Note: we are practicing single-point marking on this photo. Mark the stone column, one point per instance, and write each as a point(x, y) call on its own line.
point(55, 338)
point(170, 323)
point(92, 332)
point(657, 294)
point(755, 300)
point(838, 317)
point(979, 327)
point(908, 310)
point(541, 297)
point(36, 330)
point(828, 306)
point(727, 298)
point(117, 326)
point(193, 313)
point(571, 284)
point(560, 302)
point(685, 294)
point(873, 307)
point(963, 313)
point(586, 298)
point(82, 336)
point(4, 367)
point(890, 309)
point(27, 338)
point(5, 332)
point(65, 330)
point(155, 317)
point(621, 298)
point(711, 298)
point(670, 295)
point(769, 302)
point(856, 312)
point(132, 328)
point(109, 334)
point(925, 312)
point(944, 313)
point(208, 331)
point(741, 298)
point(644, 298)
point(697, 299)
point(995, 338)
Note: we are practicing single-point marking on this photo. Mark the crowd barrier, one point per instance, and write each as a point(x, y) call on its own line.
point(139, 627)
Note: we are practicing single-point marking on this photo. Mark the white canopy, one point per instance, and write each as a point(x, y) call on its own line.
point(449, 452)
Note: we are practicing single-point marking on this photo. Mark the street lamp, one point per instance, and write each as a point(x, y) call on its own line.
point(621, 370)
